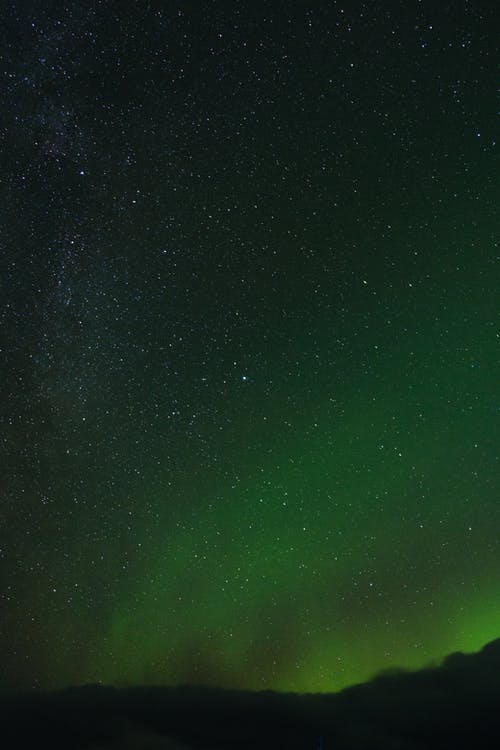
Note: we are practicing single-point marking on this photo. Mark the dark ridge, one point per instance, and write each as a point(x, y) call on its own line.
point(454, 705)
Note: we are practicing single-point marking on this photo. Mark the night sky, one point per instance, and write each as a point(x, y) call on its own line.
point(249, 344)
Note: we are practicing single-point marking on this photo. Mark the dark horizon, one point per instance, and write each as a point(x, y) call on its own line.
point(453, 705)
point(393, 671)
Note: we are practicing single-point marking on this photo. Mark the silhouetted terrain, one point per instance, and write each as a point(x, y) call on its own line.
point(455, 705)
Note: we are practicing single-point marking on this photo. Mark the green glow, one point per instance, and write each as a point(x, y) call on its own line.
point(326, 572)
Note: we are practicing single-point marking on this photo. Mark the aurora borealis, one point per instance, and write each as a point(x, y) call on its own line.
point(249, 341)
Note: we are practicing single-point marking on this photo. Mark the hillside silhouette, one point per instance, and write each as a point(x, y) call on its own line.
point(454, 705)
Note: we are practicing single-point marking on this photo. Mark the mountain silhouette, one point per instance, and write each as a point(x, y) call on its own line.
point(453, 705)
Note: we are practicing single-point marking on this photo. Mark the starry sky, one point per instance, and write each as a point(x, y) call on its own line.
point(248, 340)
